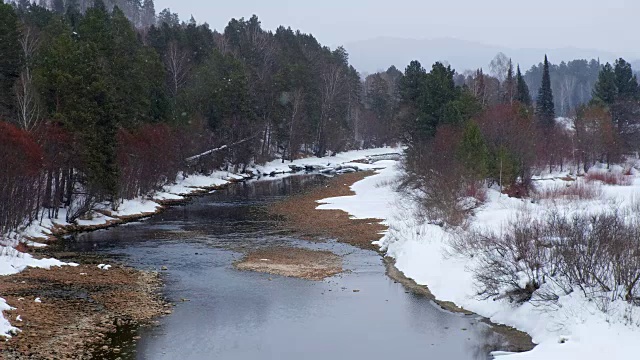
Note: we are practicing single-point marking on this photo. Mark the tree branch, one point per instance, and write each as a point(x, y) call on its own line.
point(223, 147)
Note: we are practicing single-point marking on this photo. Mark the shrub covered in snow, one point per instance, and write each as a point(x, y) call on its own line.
point(543, 259)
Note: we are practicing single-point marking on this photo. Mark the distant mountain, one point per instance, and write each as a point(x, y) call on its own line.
point(369, 56)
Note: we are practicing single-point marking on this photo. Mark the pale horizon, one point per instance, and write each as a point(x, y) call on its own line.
point(585, 24)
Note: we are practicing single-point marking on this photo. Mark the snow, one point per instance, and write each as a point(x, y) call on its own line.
point(373, 197)
point(344, 159)
point(574, 329)
point(136, 207)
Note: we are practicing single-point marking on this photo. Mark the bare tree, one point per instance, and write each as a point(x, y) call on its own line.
point(499, 66)
point(26, 98)
point(177, 64)
point(296, 105)
point(332, 78)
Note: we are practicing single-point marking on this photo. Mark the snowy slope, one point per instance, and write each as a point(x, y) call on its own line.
point(575, 329)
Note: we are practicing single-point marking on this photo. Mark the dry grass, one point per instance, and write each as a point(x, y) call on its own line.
point(293, 262)
point(79, 306)
point(609, 178)
point(300, 215)
point(575, 191)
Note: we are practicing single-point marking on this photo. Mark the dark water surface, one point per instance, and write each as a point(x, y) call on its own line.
point(243, 315)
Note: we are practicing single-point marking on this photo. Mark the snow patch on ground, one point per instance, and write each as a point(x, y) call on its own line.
point(574, 329)
point(13, 262)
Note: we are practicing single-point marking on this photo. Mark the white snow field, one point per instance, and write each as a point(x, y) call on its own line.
point(573, 329)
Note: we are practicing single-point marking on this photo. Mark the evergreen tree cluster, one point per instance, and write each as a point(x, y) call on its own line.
point(618, 91)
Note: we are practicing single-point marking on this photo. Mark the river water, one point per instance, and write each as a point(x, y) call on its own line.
point(230, 314)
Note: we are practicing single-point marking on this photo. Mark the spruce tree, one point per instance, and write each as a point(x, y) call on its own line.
point(522, 90)
point(545, 109)
point(509, 85)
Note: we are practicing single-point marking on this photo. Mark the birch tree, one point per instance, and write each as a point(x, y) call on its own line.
point(176, 62)
point(28, 110)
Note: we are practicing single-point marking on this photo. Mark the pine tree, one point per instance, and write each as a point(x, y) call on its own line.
point(379, 99)
point(412, 82)
point(606, 89)
point(522, 90)
point(545, 109)
point(626, 81)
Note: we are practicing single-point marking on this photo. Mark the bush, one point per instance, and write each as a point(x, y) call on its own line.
point(445, 189)
point(575, 191)
point(512, 264)
point(609, 178)
point(597, 254)
point(20, 163)
point(148, 158)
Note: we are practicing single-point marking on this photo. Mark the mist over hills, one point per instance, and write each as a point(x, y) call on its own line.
point(369, 56)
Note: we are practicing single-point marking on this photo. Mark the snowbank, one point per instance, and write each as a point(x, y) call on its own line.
point(574, 329)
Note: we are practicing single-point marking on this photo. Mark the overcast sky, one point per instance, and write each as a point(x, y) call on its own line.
point(610, 25)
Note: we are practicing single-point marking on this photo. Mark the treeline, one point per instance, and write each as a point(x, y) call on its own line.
point(97, 108)
point(464, 133)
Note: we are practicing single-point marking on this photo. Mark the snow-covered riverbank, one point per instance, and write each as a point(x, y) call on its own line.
point(12, 261)
point(573, 329)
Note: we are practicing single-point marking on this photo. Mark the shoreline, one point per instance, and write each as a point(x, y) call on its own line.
point(60, 230)
point(70, 312)
point(300, 215)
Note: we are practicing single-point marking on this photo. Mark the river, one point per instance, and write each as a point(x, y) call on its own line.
point(223, 313)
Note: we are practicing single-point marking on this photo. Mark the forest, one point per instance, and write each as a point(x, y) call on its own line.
point(102, 101)
point(108, 102)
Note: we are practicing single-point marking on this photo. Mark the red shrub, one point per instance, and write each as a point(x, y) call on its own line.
point(477, 191)
point(19, 153)
point(147, 159)
point(20, 165)
point(609, 178)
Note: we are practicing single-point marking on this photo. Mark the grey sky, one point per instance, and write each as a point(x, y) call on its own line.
point(610, 25)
